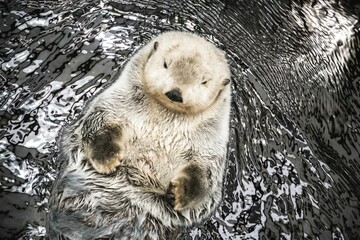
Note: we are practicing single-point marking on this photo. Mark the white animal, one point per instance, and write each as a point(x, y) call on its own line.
point(148, 156)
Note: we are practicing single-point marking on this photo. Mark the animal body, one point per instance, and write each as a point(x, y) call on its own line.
point(147, 157)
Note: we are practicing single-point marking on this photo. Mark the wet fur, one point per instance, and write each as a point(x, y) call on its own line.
point(165, 162)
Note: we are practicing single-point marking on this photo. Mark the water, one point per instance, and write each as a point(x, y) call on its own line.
point(294, 164)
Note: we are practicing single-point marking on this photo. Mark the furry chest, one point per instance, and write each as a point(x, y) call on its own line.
point(160, 149)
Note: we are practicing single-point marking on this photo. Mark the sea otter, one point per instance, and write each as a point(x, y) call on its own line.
point(147, 157)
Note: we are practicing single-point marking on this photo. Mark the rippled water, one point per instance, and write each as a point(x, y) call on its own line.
point(294, 156)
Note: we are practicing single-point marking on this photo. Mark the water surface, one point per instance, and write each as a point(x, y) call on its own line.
point(294, 164)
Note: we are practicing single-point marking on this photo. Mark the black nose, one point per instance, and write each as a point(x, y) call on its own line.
point(174, 95)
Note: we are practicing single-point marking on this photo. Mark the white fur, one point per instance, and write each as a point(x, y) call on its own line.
point(159, 133)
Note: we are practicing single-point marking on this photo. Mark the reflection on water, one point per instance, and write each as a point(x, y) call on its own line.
point(294, 164)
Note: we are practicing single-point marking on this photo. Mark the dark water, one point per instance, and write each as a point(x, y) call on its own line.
point(294, 158)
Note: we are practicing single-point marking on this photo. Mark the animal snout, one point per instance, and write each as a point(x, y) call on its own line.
point(174, 95)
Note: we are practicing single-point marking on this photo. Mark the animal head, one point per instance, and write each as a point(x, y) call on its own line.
point(185, 73)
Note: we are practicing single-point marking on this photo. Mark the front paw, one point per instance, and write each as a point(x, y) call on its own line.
point(187, 189)
point(106, 166)
point(106, 149)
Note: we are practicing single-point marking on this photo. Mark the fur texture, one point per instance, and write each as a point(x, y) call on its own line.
point(147, 157)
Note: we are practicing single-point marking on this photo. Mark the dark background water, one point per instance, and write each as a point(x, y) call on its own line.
point(294, 162)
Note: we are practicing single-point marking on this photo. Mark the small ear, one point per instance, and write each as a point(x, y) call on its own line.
point(226, 82)
point(156, 44)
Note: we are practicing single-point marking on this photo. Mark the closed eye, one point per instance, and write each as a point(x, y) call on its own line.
point(205, 82)
point(165, 65)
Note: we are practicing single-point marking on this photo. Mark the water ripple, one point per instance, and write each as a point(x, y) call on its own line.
point(293, 169)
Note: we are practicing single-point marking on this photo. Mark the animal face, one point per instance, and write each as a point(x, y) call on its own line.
point(185, 73)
